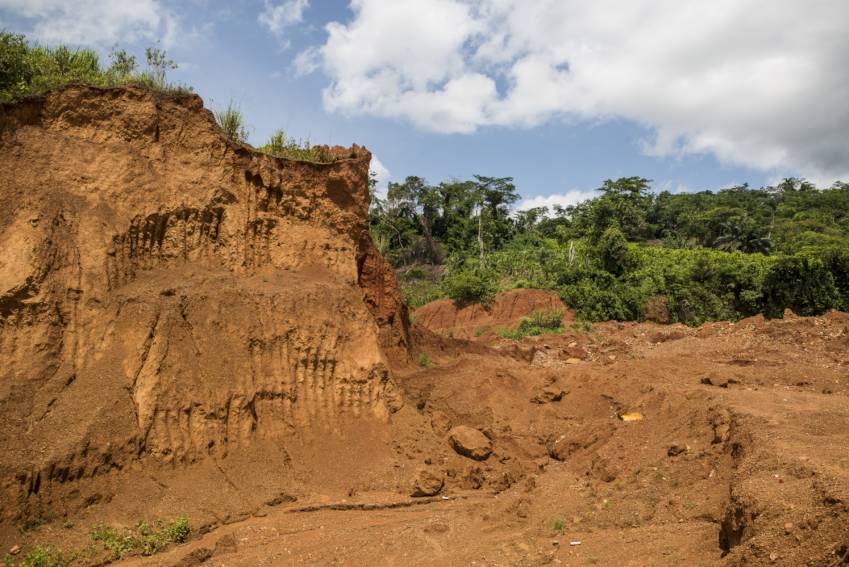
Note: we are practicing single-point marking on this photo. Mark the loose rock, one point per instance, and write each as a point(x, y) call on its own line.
point(470, 442)
point(427, 483)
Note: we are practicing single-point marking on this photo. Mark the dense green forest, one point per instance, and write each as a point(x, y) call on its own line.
point(701, 256)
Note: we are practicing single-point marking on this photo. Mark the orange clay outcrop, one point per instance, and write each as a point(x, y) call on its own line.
point(169, 295)
point(475, 320)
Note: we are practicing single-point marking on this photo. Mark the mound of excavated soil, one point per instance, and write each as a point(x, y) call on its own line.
point(475, 320)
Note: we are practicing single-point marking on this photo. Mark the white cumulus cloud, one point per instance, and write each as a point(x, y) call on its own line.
point(277, 17)
point(96, 21)
point(760, 83)
point(564, 200)
point(382, 174)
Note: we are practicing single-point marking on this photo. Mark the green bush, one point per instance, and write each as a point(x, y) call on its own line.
point(27, 69)
point(613, 251)
point(836, 261)
point(803, 284)
point(470, 286)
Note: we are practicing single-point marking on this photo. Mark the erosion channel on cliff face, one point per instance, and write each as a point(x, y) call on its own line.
point(192, 327)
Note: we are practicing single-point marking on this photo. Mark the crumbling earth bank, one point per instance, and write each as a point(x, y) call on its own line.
point(167, 294)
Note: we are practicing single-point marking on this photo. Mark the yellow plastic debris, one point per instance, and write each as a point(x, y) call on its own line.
point(631, 416)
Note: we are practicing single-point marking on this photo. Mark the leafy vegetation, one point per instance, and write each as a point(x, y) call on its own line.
point(280, 146)
point(40, 556)
point(701, 256)
point(28, 69)
point(537, 323)
point(144, 538)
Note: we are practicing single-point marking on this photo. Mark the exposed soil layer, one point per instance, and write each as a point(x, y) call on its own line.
point(169, 300)
point(476, 321)
point(187, 326)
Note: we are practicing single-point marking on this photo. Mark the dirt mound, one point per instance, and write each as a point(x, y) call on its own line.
point(169, 296)
point(475, 320)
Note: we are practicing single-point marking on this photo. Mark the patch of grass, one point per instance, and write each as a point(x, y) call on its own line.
point(290, 148)
point(581, 327)
point(41, 556)
point(481, 330)
point(31, 524)
point(419, 291)
point(535, 324)
point(558, 525)
point(232, 122)
point(144, 539)
point(424, 360)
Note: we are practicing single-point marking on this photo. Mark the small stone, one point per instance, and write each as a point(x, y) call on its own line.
point(470, 442)
point(573, 361)
point(427, 483)
point(440, 422)
point(549, 394)
point(788, 527)
point(676, 449)
point(773, 557)
point(16, 549)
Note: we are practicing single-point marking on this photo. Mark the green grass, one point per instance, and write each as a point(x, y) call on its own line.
point(424, 360)
point(535, 324)
point(301, 150)
point(41, 556)
point(581, 327)
point(144, 538)
point(558, 525)
point(232, 123)
point(28, 69)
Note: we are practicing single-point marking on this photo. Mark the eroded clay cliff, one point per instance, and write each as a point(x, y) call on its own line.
point(167, 294)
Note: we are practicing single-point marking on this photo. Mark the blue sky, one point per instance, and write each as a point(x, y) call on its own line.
point(559, 95)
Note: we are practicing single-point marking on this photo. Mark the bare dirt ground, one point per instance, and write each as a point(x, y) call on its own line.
point(740, 457)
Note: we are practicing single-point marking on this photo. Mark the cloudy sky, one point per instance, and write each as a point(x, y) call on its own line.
point(559, 94)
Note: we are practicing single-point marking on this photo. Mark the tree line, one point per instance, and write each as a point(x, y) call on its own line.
point(708, 255)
